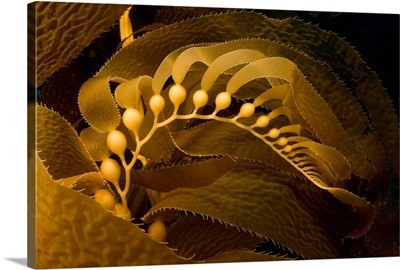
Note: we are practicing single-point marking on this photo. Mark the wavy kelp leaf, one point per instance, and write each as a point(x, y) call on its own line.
point(198, 30)
point(127, 94)
point(104, 117)
point(262, 200)
point(59, 146)
point(75, 231)
point(218, 58)
point(192, 175)
point(357, 75)
point(96, 143)
point(226, 61)
point(198, 238)
point(334, 159)
point(174, 14)
point(311, 106)
point(86, 183)
point(228, 139)
point(58, 25)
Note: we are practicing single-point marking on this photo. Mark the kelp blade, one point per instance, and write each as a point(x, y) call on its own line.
point(261, 200)
point(75, 231)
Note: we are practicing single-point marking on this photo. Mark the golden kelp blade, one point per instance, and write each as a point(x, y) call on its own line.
point(191, 175)
point(59, 146)
point(201, 238)
point(75, 231)
point(96, 91)
point(63, 30)
point(266, 202)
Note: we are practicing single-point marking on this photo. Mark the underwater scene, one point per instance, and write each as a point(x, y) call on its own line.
point(186, 135)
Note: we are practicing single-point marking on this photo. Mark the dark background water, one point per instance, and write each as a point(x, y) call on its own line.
point(375, 37)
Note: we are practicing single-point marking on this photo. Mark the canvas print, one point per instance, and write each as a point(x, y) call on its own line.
point(187, 135)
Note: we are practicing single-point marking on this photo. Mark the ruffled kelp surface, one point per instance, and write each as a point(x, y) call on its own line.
point(58, 26)
point(220, 138)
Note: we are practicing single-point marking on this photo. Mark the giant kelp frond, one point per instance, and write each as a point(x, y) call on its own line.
point(326, 165)
point(254, 130)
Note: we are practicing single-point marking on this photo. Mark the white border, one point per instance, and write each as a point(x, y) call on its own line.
point(13, 126)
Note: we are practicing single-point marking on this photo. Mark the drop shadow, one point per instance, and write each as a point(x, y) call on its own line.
point(20, 261)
